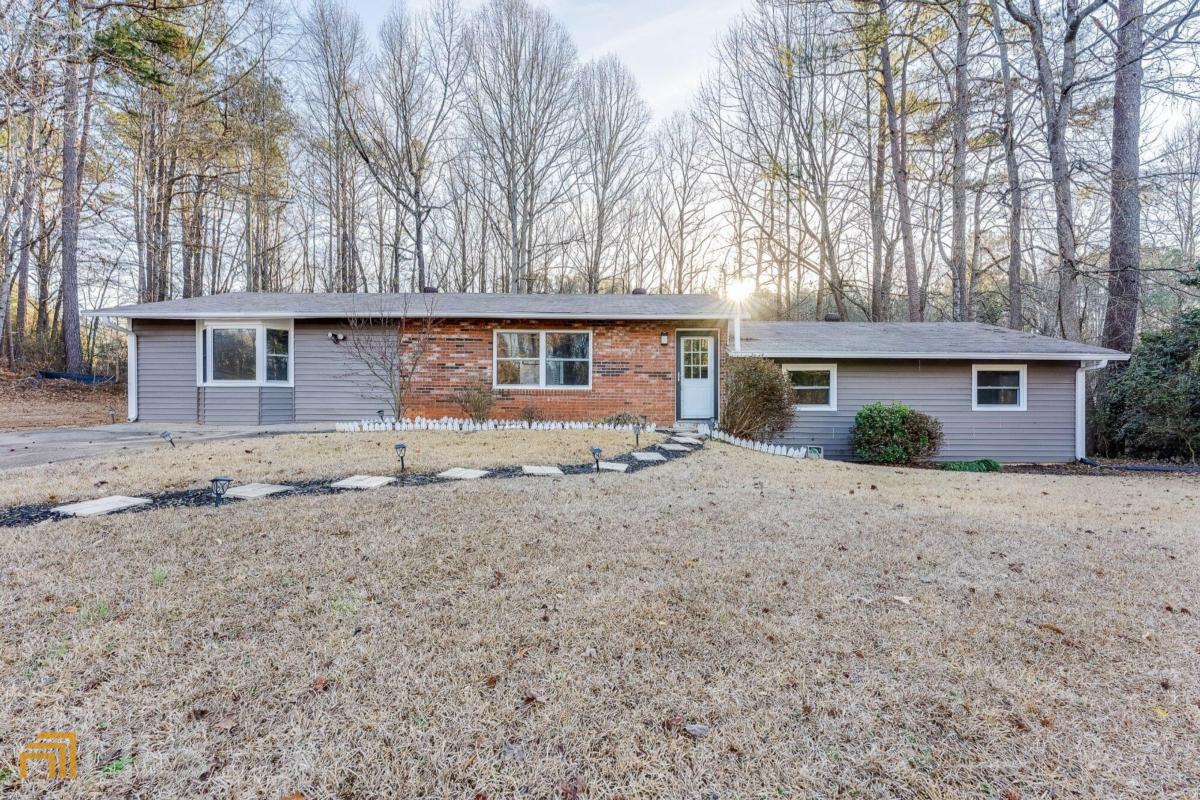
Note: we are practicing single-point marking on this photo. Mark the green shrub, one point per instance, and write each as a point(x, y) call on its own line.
point(894, 434)
point(978, 465)
point(758, 399)
point(1151, 407)
point(476, 401)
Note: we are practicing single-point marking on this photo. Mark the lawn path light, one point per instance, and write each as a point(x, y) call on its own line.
point(166, 437)
point(596, 456)
point(220, 486)
point(637, 435)
point(401, 447)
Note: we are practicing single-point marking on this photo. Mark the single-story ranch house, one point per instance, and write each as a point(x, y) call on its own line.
point(263, 358)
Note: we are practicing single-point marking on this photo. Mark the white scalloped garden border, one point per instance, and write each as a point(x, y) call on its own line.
point(769, 449)
point(455, 424)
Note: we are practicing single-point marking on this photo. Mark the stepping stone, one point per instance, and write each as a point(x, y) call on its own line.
point(675, 448)
point(101, 505)
point(686, 440)
point(641, 455)
point(463, 474)
point(253, 491)
point(363, 482)
point(613, 466)
point(536, 470)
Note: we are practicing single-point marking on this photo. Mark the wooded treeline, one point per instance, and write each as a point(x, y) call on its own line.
point(1001, 161)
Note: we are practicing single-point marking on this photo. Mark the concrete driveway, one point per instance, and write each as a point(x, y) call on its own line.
point(26, 448)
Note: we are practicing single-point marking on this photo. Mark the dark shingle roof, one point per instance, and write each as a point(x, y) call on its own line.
point(441, 305)
point(908, 340)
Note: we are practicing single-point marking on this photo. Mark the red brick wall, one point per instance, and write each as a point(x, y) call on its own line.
point(631, 371)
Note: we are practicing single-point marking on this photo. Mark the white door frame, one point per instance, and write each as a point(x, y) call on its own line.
point(714, 336)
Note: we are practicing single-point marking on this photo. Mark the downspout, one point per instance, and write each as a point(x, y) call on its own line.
point(1081, 406)
point(737, 327)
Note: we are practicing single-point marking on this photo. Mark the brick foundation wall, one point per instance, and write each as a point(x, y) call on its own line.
point(631, 370)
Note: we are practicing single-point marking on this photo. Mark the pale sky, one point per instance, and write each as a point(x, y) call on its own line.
point(668, 44)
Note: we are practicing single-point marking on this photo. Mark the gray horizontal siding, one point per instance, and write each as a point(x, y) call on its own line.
point(1043, 433)
point(330, 383)
point(166, 366)
point(229, 405)
point(275, 405)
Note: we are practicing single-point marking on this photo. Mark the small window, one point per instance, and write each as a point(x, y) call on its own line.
point(695, 357)
point(278, 352)
point(814, 386)
point(551, 359)
point(998, 387)
point(233, 354)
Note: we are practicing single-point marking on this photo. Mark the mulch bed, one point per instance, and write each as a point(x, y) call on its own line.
point(34, 513)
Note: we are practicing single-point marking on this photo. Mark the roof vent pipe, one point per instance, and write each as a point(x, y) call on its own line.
point(429, 290)
point(638, 290)
point(833, 318)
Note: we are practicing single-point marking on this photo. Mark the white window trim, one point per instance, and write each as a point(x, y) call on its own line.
point(541, 384)
point(1022, 390)
point(203, 333)
point(832, 370)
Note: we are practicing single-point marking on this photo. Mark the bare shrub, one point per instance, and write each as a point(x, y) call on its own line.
point(758, 399)
point(476, 401)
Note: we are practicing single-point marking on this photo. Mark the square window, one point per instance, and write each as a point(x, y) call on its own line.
point(234, 354)
point(814, 386)
point(998, 387)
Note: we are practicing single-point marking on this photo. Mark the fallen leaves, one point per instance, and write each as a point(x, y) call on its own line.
point(676, 725)
point(573, 788)
point(319, 683)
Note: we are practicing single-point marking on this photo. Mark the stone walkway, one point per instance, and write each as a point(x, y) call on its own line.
point(635, 461)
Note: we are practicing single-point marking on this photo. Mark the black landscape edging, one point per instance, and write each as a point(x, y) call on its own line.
point(34, 513)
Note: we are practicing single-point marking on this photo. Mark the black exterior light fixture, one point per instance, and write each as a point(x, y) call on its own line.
point(664, 338)
point(220, 486)
point(596, 457)
point(379, 411)
point(401, 447)
point(166, 437)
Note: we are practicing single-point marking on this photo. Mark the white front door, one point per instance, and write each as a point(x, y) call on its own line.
point(697, 377)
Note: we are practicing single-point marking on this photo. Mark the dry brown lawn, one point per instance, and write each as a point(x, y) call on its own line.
point(843, 631)
point(300, 457)
point(29, 403)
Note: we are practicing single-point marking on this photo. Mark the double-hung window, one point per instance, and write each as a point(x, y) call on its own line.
point(542, 359)
point(814, 386)
point(244, 354)
point(998, 387)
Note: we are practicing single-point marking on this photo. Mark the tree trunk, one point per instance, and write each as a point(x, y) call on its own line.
point(72, 348)
point(900, 177)
point(1015, 191)
point(958, 183)
point(1124, 252)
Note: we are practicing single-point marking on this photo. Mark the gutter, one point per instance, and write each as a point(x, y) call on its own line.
point(926, 356)
point(1081, 404)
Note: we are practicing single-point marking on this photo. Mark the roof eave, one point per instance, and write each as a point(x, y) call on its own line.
point(938, 356)
point(127, 314)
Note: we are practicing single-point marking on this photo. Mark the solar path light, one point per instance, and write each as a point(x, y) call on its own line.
point(401, 448)
point(596, 457)
point(220, 486)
